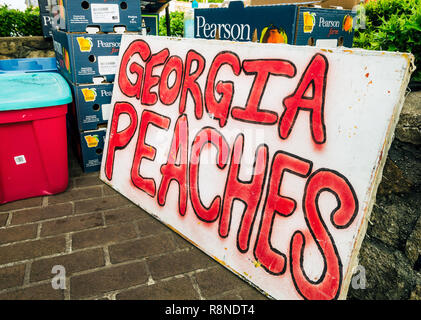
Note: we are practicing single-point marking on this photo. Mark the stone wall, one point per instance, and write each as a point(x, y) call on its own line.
point(391, 250)
point(25, 47)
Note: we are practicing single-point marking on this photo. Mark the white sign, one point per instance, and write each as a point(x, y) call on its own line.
point(266, 157)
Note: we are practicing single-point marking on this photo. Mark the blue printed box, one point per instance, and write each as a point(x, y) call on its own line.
point(150, 24)
point(92, 146)
point(44, 12)
point(289, 24)
point(77, 15)
point(241, 23)
point(91, 105)
point(46, 24)
point(44, 6)
point(88, 146)
point(83, 57)
point(324, 26)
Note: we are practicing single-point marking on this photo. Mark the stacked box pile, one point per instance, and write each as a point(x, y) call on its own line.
point(86, 37)
point(299, 24)
point(45, 15)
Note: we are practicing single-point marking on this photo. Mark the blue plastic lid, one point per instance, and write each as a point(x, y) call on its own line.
point(28, 65)
point(33, 90)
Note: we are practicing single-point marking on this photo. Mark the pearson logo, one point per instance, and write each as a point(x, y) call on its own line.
point(329, 23)
point(105, 93)
point(89, 94)
point(226, 31)
point(309, 20)
point(92, 141)
point(108, 44)
point(85, 44)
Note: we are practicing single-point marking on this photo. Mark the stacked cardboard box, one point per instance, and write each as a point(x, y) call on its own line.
point(87, 46)
point(345, 4)
point(300, 23)
point(44, 12)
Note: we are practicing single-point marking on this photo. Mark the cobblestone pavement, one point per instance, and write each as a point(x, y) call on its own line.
point(110, 248)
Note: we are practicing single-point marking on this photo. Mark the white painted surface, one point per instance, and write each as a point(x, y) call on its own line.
point(363, 97)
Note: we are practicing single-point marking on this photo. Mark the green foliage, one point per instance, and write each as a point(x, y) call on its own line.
point(177, 21)
point(176, 24)
point(19, 23)
point(393, 25)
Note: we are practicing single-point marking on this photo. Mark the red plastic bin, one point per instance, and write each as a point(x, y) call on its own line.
point(33, 140)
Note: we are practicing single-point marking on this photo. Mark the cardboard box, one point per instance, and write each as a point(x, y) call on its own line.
point(270, 2)
point(290, 24)
point(88, 146)
point(324, 27)
point(83, 57)
point(44, 12)
point(77, 15)
point(46, 24)
point(44, 6)
point(150, 23)
point(91, 105)
point(345, 4)
point(92, 146)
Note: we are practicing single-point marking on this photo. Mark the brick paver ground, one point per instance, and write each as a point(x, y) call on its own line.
point(110, 248)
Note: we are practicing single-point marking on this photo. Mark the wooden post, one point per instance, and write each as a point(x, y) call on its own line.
point(167, 20)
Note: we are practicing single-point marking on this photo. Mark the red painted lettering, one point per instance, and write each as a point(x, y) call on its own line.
point(328, 285)
point(177, 172)
point(128, 88)
point(262, 69)
point(313, 79)
point(272, 260)
point(150, 98)
point(118, 140)
point(249, 192)
point(206, 136)
point(144, 150)
point(219, 109)
point(190, 83)
point(168, 94)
